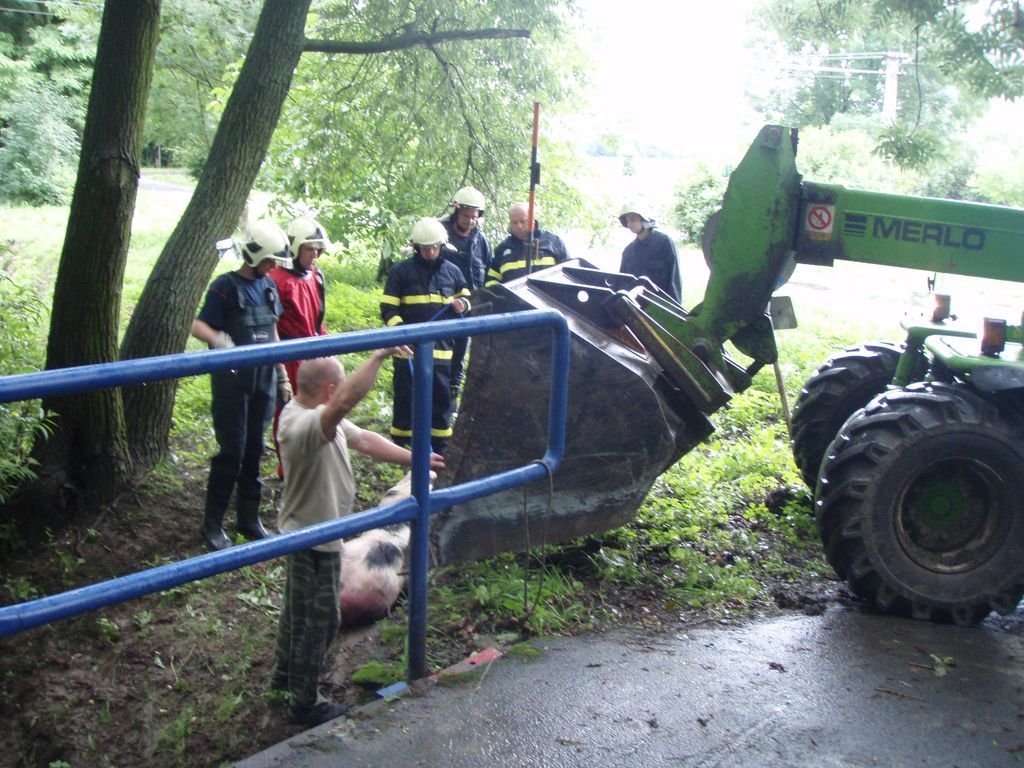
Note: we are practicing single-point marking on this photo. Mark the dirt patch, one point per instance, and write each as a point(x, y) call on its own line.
point(181, 677)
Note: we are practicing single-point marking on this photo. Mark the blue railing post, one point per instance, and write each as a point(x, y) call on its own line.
point(422, 408)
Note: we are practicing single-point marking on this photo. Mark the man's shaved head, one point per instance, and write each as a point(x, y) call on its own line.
point(314, 374)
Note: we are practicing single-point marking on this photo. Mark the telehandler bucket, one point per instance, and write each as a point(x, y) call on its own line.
point(628, 420)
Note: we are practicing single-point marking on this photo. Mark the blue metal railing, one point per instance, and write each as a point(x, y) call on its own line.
point(416, 510)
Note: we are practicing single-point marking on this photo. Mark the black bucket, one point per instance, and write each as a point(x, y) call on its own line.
point(626, 423)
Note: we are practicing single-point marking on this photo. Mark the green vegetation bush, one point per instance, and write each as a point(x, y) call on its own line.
point(39, 148)
point(697, 196)
point(22, 341)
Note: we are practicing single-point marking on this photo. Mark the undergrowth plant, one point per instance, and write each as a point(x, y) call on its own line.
point(22, 339)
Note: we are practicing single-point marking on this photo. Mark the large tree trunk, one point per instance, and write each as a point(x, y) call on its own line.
point(162, 318)
point(88, 451)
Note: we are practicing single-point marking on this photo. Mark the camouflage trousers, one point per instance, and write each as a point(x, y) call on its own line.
point(310, 618)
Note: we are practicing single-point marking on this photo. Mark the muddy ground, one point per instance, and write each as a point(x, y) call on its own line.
point(180, 678)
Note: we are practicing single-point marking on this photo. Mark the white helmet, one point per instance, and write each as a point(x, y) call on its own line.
point(469, 197)
point(428, 231)
point(632, 207)
point(306, 231)
point(265, 240)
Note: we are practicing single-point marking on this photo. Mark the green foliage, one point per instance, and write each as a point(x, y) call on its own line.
point(906, 148)
point(706, 517)
point(22, 341)
point(376, 673)
point(42, 104)
point(44, 72)
point(353, 299)
point(172, 740)
point(370, 143)
point(697, 196)
point(39, 152)
point(200, 40)
point(985, 58)
point(503, 592)
point(192, 425)
point(19, 589)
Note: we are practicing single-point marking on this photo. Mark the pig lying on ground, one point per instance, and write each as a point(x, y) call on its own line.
point(373, 568)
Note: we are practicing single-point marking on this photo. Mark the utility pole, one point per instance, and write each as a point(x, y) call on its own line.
point(890, 98)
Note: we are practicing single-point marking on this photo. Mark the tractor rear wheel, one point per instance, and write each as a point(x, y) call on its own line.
point(921, 505)
point(840, 385)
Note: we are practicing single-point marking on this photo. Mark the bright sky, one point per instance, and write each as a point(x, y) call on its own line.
point(671, 73)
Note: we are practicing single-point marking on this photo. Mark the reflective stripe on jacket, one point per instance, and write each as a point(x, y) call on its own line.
point(510, 259)
point(418, 290)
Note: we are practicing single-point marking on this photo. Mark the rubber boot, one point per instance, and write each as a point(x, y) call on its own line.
point(249, 523)
point(212, 530)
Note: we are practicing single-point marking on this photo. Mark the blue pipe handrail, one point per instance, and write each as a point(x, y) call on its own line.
point(416, 510)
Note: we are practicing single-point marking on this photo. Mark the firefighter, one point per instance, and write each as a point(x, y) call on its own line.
point(512, 259)
point(652, 254)
point(472, 255)
point(302, 292)
point(301, 286)
point(422, 288)
point(241, 307)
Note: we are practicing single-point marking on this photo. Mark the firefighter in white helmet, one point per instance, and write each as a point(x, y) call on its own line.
point(241, 307)
point(422, 288)
point(303, 297)
point(471, 253)
point(652, 254)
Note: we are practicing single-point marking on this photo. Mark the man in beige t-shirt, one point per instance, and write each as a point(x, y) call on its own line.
point(314, 438)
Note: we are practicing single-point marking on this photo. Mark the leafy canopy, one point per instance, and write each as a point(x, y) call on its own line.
point(200, 40)
point(371, 142)
point(45, 67)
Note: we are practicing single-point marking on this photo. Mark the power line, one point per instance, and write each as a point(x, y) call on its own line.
point(854, 56)
point(827, 70)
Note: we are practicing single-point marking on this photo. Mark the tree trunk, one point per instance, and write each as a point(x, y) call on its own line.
point(89, 447)
point(161, 320)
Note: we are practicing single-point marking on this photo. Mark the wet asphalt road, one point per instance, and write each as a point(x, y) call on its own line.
point(843, 688)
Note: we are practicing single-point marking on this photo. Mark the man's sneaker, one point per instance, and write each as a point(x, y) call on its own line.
point(317, 714)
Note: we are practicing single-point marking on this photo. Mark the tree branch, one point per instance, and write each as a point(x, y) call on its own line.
point(409, 40)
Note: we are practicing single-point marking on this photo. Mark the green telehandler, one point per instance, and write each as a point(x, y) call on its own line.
point(914, 450)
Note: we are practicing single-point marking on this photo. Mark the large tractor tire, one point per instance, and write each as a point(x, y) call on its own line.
point(842, 384)
point(921, 505)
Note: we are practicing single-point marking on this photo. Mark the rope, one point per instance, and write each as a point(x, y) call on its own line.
point(527, 609)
